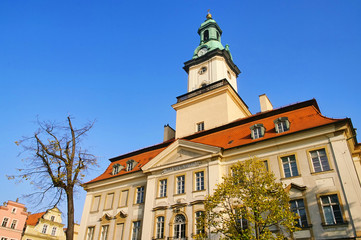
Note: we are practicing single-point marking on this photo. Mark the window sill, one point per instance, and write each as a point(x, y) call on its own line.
point(178, 194)
point(328, 171)
point(284, 178)
point(195, 191)
point(161, 197)
point(344, 224)
point(309, 226)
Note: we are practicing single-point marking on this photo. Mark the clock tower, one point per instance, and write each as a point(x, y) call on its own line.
point(212, 99)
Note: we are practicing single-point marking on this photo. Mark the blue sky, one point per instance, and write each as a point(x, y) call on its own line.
point(120, 63)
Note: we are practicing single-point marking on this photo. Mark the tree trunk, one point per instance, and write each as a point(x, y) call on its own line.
point(70, 205)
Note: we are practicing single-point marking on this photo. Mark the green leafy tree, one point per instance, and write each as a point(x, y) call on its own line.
point(55, 164)
point(249, 204)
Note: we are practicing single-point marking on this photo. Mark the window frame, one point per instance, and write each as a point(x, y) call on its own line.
point(282, 171)
point(136, 202)
point(116, 168)
point(53, 231)
point(162, 188)
point(45, 226)
point(310, 161)
point(93, 202)
point(200, 126)
point(106, 199)
point(195, 180)
point(120, 198)
point(138, 232)
point(183, 184)
point(130, 165)
point(6, 222)
point(159, 232)
point(306, 212)
point(197, 231)
point(14, 224)
point(322, 211)
point(101, 236)
point(92, 233)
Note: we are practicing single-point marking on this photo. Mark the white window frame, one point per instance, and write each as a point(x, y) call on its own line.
point(45, 228)
point(90, 233)
point(181, 184)
point(163, 188)
point(160, 227)
point(104, 232)
point(257, 131)
point(289, 163)
point(13, 224)
point(199, 181)
point(297, 209)
point(53, 231)
point(200, 126)
point(282, 124)
point(322, 161)
point(5, 222)
point(140, 195)
point(136, 230)
point(333, 208)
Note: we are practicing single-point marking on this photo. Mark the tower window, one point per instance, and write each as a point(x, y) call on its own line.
point(206, 35)
point(200, 126)
point(218, 36)
point(202, 70)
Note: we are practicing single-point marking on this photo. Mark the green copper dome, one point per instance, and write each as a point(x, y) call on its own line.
point(210, 37)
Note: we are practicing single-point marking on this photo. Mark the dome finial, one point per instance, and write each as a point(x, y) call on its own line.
point(209, 16)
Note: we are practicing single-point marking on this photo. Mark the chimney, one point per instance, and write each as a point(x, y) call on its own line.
point(169, 133)
point(266, 104)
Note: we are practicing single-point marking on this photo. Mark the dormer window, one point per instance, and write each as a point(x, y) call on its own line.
point(116, 169)
point(282, 124)
point(257, 131)
point(130, 165)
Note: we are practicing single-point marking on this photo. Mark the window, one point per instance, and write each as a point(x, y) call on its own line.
point(319, 160)
point(52, 218)
point(53, 231)
point(90, 233)
point(136, 231)
point(124, 198)
point(241, 223)
point(109, 201)
point(265, 162)
point(200, 126)
point(13, 224)
point(13, 210)
point(199, 181)
point(282, 124)
point(104, 232)
point(5, 222)
point(163, 188)
point(289, 166)
point(206, 35)
point(180, 184)
point(119, 231)
point(257, 131)
point(199, 225)
point(45, 227)
point(160, 227)
point(298, 207)
point(130, 165)
point(95, 206)
point(331, 209)
point(140, 195)
point(179, 227)
point(202, 70)
point(4, 238)
point(116, 169)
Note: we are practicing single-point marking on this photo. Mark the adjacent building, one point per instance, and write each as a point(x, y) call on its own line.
point(44, 225)
point(12, 216)
point(158, 192)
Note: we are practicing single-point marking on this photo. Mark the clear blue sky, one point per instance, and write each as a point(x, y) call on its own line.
point(120, 63)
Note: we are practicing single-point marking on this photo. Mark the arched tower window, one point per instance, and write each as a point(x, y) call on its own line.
point(179, 227)
point(206, 35)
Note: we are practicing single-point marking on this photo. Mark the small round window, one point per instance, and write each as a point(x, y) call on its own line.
point(202, 70)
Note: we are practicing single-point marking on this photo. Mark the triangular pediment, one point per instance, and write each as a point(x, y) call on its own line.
point(180, 152)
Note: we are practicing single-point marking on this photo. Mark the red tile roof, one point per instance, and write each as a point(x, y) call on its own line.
point(34, 218)
point(302, 116)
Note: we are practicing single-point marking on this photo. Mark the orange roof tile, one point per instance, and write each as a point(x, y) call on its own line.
point(33, 218)
point(302, 116)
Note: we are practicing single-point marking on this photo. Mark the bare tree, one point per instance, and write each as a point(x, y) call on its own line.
point(55, 164)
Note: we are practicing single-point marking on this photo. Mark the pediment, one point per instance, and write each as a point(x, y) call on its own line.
point(180, 152)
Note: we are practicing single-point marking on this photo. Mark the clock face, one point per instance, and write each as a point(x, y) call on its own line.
point(202, 51)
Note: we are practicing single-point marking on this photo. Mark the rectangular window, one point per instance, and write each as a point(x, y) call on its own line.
point(298, 207)
point(140, 195)
point(5, 222)
point(52, 218)
point(180, 184)
point(199, 181)
point(289, 166)
point(13, 224)
point(200, 126)
point(282, 126)
point(199, 224)
point(45, 227)
point(95, 206)
point(119, 231)
point(90, 233)
point(257, 133)
point(104, 232)
point(331, 209)
point(124, 198)
point(160, 227)
point(265, 162)
point(163, 188)
point(136, 231)
point(319, 160)
point(109, 201)
point(53, 231)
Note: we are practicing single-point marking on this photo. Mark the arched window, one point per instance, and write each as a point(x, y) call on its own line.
point(179, 227)
point(206, 35)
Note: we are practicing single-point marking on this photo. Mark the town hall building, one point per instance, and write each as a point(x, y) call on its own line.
point(158, 192)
